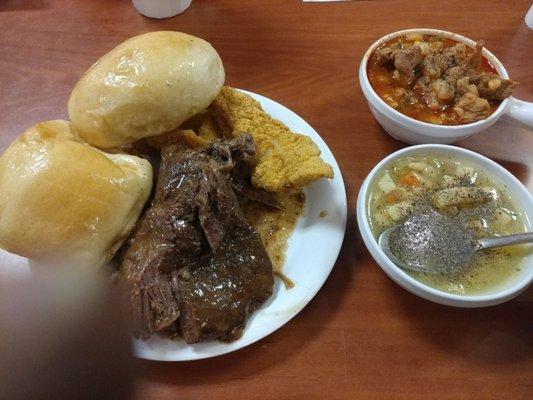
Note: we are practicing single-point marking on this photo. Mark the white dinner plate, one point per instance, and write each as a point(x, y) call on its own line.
point(312, 251)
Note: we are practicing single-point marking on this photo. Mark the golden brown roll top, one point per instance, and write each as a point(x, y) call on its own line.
point(144, 87)
point(60, 198)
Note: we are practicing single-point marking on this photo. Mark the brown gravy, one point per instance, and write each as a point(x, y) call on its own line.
point(275, 226)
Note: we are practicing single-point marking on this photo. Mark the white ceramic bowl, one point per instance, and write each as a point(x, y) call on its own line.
point(522, 200)
point(412, 131)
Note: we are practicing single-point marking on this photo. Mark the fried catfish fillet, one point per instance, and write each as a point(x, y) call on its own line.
point(286, 161)
point(203, 124)
point(185, 137)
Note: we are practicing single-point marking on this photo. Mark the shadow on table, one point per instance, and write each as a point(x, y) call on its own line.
point(276, 348)
point(20, 5)
point(492, 335)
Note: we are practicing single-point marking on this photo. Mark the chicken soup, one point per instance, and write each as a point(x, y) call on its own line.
point(467, 195)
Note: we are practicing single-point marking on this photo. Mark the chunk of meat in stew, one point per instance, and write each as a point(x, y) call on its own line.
point(383, 56)
point(472, 108)
point(493, 87)
point(406, 60)
point(475, 58)
point(434, 65)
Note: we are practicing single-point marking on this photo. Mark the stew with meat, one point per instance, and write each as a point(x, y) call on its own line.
point(436, 79)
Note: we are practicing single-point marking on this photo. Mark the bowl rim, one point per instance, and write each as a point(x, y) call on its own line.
point(406, 120)
point(512, 184)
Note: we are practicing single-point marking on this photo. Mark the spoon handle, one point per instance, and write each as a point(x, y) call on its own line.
point(508, 240)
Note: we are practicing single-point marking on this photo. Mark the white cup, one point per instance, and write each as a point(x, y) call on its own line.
point(161, 8)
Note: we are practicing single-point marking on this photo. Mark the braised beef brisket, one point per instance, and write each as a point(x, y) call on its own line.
point(195, 266)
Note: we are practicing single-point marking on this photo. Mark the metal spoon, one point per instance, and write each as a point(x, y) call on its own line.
point(480, 244)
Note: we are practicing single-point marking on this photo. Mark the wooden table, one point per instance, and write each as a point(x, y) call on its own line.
point(362, 336)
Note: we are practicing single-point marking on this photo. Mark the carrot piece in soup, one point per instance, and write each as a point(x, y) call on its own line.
point(392, 198)
point(409, 179)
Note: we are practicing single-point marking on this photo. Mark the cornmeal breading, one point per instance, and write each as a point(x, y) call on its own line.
point(186, 137)
point(203, 125)
point(285, 160)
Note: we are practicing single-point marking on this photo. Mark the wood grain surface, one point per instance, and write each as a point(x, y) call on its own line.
point(362, 337)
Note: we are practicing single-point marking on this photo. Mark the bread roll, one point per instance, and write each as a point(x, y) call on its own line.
point(62, 199)
point(146, 86)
